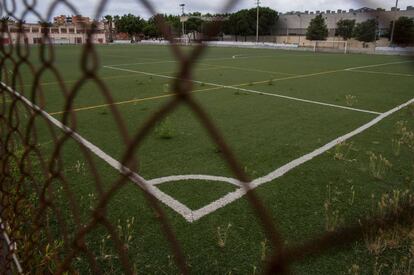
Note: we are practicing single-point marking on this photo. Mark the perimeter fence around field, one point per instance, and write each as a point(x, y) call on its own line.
point(31, 215)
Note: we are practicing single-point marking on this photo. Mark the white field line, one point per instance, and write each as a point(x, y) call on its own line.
point(180, 208)
point(381, 73)
point(249, 91)
point(137, 179)
point(11, 247)
point(237, 194)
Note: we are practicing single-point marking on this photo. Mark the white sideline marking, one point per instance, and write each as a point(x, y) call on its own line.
point(180, 208)
point(137, 179)
point(248, 90)
point(237, 194)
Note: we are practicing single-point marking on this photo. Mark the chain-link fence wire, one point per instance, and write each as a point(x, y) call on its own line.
point(32, 214)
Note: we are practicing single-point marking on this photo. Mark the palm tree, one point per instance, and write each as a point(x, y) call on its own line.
point(110, 19)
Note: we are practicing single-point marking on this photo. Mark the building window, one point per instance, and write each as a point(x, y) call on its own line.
point(78, 40)
point(27, 30)
point(45, 30)
point(35, 30)
point(80, 31)
point(37, 40)
point(64, 30)
point(55, 30)
point(71, 30)
point(14, 30)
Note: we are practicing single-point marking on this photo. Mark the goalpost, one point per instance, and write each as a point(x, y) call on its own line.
point(330, 46)
point(182, 40)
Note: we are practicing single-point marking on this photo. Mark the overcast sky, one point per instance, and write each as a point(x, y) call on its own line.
point(87, 7)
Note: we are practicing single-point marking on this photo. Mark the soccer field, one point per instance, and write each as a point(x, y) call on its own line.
point(310, 129)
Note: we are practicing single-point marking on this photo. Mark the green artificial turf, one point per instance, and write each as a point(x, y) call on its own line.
point(264, 132)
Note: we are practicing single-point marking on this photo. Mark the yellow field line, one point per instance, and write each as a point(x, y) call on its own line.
point(131, 101)
point(382, 73)
point(73, 81)
point(107, 78)
point(247, 70)
point(125, 56)
point(195, 91)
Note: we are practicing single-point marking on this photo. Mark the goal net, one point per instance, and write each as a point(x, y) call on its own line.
point(182, 40)
point(60, 41)
point(330, 46)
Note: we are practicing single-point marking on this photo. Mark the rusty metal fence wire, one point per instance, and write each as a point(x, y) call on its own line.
point(28, 177)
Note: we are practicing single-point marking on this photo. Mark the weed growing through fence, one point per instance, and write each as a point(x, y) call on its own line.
point(411, 109)
point(333, 218)
point(378, 165)
point(343, 150)
point(397, 241)
point(351, 100)
point(222, 234)
point(404, 134)
point(396, 146)
point(264, 247)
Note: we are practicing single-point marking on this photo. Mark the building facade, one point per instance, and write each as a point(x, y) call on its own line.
point(296, 23)
point(66, 33)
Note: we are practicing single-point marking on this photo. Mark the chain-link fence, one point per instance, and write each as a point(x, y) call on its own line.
point(36, 235)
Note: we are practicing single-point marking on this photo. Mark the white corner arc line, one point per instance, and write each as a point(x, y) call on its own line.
point(249, 91)
point(162, 180)
point(233, 196)
point(137, 179)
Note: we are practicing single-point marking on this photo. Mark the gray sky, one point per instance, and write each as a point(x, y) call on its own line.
point(87, 7)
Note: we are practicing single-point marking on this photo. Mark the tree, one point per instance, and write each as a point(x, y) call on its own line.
point(194, 24)
point(366, 31)
point(151, 28)
point(317, 29)
point(243, 22)
point(110, 21)
point(268, 19)
point(404, 31)
point(345, 28)
point(130, 24)
point(174, 23)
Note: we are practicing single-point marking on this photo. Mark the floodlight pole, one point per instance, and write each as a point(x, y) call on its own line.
point(182, 23)
point(300, 27)
point(393, 24)
point(257, 21)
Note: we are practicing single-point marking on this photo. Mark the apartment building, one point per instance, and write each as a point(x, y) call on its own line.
point(64, 30)
point(59, 34)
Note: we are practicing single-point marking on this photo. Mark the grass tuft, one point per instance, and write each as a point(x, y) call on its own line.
point(378, 165)
point(351, 100)
point(165, 129)
point(222, 235)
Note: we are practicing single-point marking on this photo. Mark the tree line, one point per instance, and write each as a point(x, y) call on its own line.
point(366, 31)
point(241, 23)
